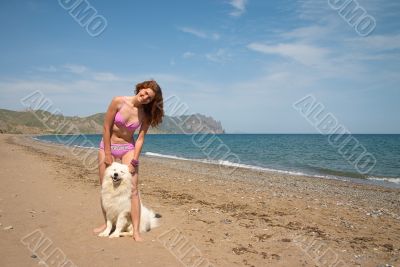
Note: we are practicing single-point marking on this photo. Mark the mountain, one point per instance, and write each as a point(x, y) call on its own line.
point(43, 122)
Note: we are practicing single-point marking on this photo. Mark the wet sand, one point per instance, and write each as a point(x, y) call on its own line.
point(210, 216)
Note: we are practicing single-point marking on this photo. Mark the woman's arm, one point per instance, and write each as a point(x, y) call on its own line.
point(108, 124)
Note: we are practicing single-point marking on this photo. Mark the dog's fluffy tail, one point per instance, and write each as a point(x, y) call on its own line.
point(150, 219)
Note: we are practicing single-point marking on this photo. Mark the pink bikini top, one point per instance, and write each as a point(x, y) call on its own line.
point(119, 121)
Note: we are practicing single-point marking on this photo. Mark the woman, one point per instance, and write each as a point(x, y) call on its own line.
point(125, 114)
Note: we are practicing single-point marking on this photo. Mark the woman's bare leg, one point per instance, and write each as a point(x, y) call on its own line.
point(102, 167)
point(135, 202)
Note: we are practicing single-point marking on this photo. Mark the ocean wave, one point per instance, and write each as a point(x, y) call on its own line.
point(86, 147)
point(61, 143)
point(165, 156)
point(385, 179)
point(238, 165)
point(286, 172)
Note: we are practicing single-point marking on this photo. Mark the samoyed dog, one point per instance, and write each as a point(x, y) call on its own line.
point(116, 200)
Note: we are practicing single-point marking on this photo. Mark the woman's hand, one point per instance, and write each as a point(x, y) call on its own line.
point(108, 160)
point(133, 169)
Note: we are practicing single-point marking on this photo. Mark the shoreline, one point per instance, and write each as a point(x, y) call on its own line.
point(372, 180)
point(244, 218)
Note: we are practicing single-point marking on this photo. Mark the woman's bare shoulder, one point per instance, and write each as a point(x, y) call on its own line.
point(118, 101)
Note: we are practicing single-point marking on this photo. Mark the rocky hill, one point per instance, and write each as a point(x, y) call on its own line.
point(43, 122)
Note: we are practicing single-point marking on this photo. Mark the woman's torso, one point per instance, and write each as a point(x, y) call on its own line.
point(126, 121)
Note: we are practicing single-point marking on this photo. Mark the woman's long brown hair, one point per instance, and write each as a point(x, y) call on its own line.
point(155, 109)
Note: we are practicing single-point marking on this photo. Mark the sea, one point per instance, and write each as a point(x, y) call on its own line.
point(359, 158)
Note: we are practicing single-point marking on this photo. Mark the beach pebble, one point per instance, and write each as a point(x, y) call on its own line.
point(375, 213)
point(226, 221)
point(8, 227)
point(194, 210)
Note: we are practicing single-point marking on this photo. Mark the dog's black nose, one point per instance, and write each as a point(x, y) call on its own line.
point(115, 174)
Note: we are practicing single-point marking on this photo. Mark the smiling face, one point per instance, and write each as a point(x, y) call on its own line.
point(117, 172)
point(145, 96)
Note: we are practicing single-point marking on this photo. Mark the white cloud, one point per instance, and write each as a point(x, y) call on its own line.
point(90, 92)
point(215, 36)
point(239, 7)
point(200, 33)
point(306, 54)
point(314, 9)
point(105, 76)
point(195, 32)
point(377, 42)
point(77, 69)
point(220, 56)
point(83, 71)
point(26, 86)
point(188, 54)
point(308, 33)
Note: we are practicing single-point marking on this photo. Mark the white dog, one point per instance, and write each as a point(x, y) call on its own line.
point(116, 200)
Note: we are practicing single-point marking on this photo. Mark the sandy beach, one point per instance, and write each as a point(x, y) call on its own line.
point(49, 204)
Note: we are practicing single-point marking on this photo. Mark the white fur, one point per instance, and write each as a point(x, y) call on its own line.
point(116, 202)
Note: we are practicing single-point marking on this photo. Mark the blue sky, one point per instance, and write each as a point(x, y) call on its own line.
point(242, 62)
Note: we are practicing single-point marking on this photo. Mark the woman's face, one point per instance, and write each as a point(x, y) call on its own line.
point(146, 95)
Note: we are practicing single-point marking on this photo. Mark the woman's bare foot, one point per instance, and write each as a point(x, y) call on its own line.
point(99, 229)
point(137, 237)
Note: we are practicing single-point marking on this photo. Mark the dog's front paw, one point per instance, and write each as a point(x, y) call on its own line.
point(103, 234)
point(114, 235)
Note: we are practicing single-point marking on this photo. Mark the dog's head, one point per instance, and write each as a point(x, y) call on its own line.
point(117, 172)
